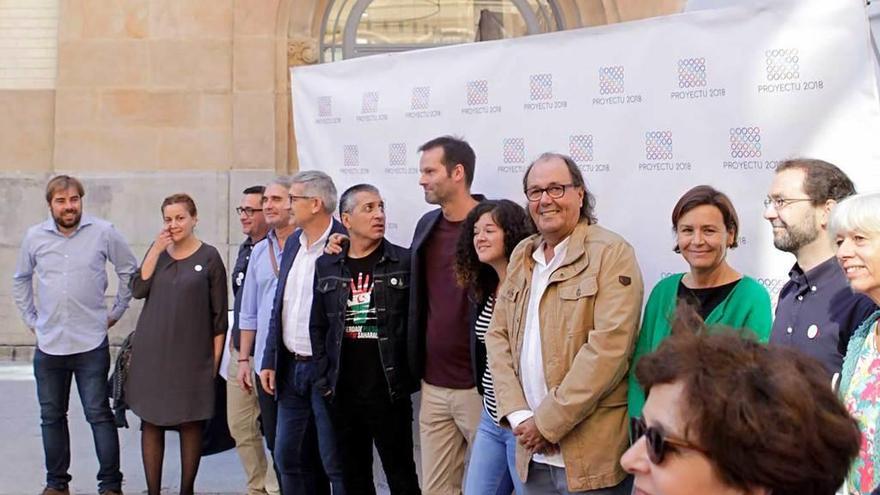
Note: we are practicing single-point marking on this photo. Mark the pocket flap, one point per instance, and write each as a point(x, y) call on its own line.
point(587, 287)
point(326, 285)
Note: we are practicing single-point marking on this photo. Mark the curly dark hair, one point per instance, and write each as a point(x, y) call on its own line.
point(765, 415)
point(480, 279)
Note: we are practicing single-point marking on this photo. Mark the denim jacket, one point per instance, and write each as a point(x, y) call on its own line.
point(391, 284)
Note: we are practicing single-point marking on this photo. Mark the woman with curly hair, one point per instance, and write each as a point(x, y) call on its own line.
point(727, 415)
point(489, 234)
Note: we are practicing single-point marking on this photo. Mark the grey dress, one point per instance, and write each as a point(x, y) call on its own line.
point(171, 378)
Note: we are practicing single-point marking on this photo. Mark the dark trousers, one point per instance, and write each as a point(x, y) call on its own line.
point(53, 376)
point(304, 421)
point(545, 479)
point(359, 424)
point(268, 421)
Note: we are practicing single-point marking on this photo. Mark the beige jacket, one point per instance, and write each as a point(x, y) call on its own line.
point(589, 326)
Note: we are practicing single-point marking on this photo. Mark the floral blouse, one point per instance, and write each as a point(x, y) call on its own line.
point(863, 403)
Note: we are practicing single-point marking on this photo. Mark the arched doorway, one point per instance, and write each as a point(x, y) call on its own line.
point(355, 28)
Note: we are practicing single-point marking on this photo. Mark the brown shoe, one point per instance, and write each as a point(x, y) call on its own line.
point(54, 491)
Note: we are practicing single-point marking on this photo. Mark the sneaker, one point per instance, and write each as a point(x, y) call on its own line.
point(54, 491)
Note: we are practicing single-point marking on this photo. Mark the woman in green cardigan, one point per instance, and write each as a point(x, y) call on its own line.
point(706, 226)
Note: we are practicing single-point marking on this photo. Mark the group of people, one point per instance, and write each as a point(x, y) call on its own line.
point(522, 328)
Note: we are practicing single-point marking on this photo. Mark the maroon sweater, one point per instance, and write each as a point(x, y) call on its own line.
point(447, 344)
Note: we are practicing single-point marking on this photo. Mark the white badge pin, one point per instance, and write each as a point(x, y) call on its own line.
point(813, 331)
point(198, 268)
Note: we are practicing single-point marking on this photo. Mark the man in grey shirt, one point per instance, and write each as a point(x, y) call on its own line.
point(67, 255)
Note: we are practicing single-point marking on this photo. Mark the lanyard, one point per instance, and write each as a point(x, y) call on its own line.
point(272, 258)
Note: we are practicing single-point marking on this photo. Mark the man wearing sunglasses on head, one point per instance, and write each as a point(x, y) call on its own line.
point(817, 311)
point(726, 415)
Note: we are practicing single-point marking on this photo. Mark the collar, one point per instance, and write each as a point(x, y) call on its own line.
point(559, 252)
point(821, 273)
point(304, 243)
point(576, 241)
point(388, 253)
point(51, 226)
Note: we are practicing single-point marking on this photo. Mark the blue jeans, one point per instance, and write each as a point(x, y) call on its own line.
point(53, 376)
point(545, 480)
point(302, 415)
point(492, 468)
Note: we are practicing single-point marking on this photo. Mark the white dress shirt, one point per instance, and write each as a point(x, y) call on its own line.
point(531, 361)
point(298, 294)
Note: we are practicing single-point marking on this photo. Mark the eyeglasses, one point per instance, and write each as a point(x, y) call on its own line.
point(248, 211)
point(780, 203)
point(294, 197)
point(555, 191)
point(658, 442)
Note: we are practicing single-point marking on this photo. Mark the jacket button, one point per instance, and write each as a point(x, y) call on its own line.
point(393, 280)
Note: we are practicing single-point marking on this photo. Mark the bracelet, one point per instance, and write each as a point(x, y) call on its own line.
point(243, 360)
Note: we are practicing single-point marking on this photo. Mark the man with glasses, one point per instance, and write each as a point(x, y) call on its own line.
point(561, 338)
point(817, 311)
point(287, 361)
point(242, 408)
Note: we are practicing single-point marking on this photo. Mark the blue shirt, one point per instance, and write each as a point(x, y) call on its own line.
point(70, 314)
point(258, 294)
point(817, 312)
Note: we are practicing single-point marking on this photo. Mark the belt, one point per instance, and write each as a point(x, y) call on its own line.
point(300, 357)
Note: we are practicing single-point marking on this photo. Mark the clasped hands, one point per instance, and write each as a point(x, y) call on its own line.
point(528, 435)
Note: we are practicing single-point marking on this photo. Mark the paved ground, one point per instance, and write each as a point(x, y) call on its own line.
point(22, 469)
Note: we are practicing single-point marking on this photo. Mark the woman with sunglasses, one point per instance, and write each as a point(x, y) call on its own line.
point(489, 234)
point(706, 226)
point(728, 415)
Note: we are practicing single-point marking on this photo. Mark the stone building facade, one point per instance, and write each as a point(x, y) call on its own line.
point(144, 98)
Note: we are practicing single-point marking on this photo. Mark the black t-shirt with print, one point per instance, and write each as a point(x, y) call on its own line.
point(360, 367)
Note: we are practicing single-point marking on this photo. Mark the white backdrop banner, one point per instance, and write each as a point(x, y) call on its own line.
point(647, 109)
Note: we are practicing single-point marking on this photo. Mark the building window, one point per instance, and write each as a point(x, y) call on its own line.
point(354, 28)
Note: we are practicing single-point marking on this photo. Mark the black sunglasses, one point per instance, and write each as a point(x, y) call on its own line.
point(658, 442)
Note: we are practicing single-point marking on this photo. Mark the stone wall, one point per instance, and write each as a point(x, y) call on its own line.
point(151, 97)
point(144, 98)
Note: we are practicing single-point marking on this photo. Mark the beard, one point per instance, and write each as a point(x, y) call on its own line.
point(795, 237)
point(67, 224)
point(431, 198)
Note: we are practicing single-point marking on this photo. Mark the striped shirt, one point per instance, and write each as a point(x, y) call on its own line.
point(480, 328)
